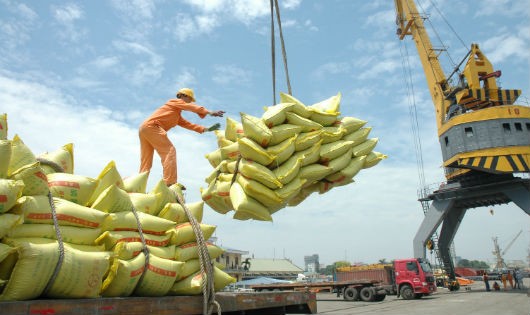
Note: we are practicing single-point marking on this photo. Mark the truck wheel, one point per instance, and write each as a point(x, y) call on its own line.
point(367, 294)
point(380, 297)
point(351, 294)
point(406, 292)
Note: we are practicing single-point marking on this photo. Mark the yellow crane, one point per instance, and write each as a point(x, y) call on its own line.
point(484, 138)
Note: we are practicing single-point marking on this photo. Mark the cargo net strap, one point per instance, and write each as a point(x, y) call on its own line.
point(274, 5)
point(59, 241)
point(56, 167)
point(145, 250)
point(208, 290)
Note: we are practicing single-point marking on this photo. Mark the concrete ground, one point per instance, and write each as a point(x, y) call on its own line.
point(463, 302)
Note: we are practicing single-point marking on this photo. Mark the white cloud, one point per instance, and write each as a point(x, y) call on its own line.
point(231, 74)
point(149, 66)
point(331, 68)
point(67, 16)
point(15, 28)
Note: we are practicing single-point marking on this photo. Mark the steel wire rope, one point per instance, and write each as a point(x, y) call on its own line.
point(59, 241)
point(275, 6)
point(145, 250)
point(205, 261)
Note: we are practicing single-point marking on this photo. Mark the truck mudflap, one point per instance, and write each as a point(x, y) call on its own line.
point(231, 303)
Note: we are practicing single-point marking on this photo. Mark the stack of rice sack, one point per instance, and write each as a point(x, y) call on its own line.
point(101, 236)
point(265, 164)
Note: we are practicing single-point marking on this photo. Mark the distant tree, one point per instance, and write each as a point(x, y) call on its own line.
point(476, 264)
point(383, 261)
point(331, 269)
point(464, 263)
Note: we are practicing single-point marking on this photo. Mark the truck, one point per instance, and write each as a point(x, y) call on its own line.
point(409, 278)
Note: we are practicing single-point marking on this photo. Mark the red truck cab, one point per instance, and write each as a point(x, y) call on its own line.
point(413, 278)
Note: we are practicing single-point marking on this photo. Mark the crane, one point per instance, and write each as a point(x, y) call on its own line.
point(484, 138)
point(499, 255)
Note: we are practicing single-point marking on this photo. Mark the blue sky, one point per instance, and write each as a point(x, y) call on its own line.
point(90, 72)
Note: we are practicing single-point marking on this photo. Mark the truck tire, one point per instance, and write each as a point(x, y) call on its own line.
point(380, 297)
point(406, 292)
point(367, 294)
point(351, 294)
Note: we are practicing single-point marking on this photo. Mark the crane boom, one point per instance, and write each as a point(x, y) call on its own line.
point(479, 127)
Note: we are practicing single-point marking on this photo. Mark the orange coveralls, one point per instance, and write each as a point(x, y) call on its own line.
point(153, 135)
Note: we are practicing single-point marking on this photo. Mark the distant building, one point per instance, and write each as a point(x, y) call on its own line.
point(312, 264)
point(232, 261)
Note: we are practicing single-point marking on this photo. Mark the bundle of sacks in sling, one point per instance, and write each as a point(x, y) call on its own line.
point(265, 164)
point(115, 239)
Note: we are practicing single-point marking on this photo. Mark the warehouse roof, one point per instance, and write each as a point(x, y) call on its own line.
point(273, 265)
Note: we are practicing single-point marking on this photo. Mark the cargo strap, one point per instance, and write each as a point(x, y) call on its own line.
point(145, 250)
point(59, 241)
point(208, 290)
point(56, 167)
point(274, 4)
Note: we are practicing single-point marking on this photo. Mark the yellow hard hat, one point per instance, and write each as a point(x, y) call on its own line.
point(188, 92)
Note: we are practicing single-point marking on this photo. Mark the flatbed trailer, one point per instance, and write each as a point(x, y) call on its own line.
point(231, 303)
point(365, 290)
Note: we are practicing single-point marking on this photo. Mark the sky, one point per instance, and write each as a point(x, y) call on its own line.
point(89, 72)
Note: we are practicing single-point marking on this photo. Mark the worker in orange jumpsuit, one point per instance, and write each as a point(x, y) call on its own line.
point(153, 132)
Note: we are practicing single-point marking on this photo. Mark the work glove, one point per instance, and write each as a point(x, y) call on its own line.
point(214, 127)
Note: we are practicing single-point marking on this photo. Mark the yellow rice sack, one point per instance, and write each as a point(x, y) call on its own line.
point(190, 267)
point(74, 188)
point(5, 157)
point(113, 199)
point(290, 190)
point(8, 221)
point(303, 194)
point(331, 134)
point(123, 276)
point(330, 151)
point(365, 147)
point(81, 274)
point(325, 186)
point(283, 132)
point(63, 157)
point(282, 151)
point(306, 124)
point(250, 150)
point(183, 233)
point(41, 240)
point(234, 129)
point(215, 157)
point(166, 194)
point(108, 176)
point(314, 172)
point(126, 221)
point(34, 178)
point(3, 126)
point(260, 192)
point(175, 212)
point(351, 124)
point(192, 285)
point(111, 238)
point(247, 207)
point(21, 155)
point(275, 115)
point(256, 129)
point(340, 162)
point(128, 250)
point(217, 196)
point(310, 155)
point(298, 108)
point(189, 251)
point(32, 271)
point(288, 170)
point(6, 250)
point(373, 158)
point(37, 210)
point(70, 234)
point(354, 166)
point(259, 173)
point(221, 139)
point(159, 277)
point(230, 152)
point(136, 183)
point(330, 105)
point(10, 191)
point(306, 140)
point(147, 203)
point(358, 136)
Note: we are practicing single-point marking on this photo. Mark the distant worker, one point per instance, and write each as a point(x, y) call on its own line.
point(518, 279)
point(509, 277)
point(503, 279)
point(496, 286)
point(153, 132)
point(486, 281)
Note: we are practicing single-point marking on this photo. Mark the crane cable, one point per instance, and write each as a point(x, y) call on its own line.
point(274, 5)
